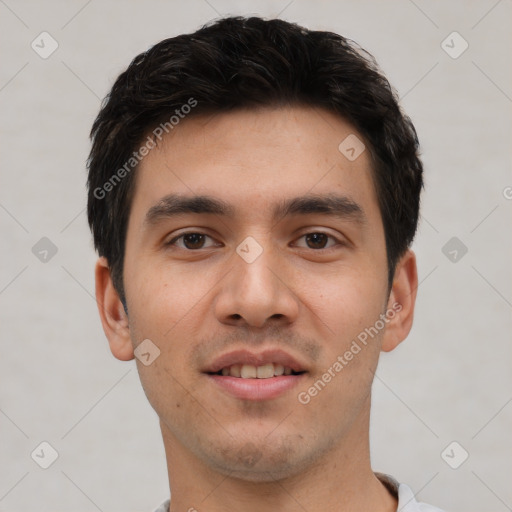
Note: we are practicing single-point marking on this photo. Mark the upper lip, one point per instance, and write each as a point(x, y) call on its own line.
point(276, 356)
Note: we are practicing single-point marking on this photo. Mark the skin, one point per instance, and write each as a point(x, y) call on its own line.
point(224, 453)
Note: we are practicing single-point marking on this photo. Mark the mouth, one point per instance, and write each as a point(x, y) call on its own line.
point(257, 377)
point(249, 371)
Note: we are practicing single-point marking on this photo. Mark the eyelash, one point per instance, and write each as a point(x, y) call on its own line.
point(339, 242)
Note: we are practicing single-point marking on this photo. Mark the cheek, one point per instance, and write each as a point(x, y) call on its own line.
point(169, 305)
point(345, 301)
point(345, 309)
point(164, 308)
point(161, 298)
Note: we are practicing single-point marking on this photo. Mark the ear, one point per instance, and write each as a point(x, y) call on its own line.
point(402, 299)
point(112, 314)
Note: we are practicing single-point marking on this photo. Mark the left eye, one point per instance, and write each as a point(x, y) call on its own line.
point(318, 240)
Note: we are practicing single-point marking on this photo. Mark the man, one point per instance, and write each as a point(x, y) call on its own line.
point(253, 193)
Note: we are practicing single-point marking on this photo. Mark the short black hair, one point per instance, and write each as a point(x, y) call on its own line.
point(249, 62)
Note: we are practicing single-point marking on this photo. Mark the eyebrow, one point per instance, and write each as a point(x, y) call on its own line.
point(334, 205)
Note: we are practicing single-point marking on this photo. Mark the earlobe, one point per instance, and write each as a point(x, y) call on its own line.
point(112, 313)
point(401, 301)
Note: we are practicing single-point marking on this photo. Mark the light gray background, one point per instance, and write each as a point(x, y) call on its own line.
point(450, 381)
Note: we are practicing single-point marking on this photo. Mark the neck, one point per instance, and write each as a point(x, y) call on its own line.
point(340, 480)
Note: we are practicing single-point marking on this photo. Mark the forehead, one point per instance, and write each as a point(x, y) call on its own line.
point(252, 158)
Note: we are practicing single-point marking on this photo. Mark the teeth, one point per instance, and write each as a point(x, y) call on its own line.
point(234, 371)
point(265, 372)
point(249, 371)
point(278, 370)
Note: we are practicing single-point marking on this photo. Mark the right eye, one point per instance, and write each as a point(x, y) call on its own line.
point(191, 240)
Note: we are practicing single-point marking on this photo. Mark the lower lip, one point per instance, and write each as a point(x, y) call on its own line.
point(256, 389)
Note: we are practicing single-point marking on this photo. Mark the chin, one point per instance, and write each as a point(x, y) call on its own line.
point(263, 473)
point(260, 463)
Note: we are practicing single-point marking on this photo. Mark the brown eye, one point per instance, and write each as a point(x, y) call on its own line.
point(190, 241)
point(316, 240)
point(193, 240)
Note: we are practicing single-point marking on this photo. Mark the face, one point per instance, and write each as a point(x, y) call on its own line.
point(258, 295)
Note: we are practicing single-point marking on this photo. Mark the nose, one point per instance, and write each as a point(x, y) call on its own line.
point(256, 292)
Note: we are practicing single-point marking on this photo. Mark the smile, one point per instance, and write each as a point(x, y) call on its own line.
point(249, 371)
